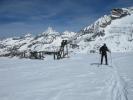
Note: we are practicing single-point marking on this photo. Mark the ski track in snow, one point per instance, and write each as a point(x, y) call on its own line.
point(67, 79)
point(116, 86)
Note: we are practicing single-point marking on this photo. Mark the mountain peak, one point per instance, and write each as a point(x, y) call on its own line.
point(50, 31)
point(28, 35)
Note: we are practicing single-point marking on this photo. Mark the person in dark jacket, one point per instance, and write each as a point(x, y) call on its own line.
point(103, 51)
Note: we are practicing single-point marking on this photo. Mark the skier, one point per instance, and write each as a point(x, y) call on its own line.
point(103, 51)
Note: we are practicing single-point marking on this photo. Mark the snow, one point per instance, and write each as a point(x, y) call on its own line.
point(120, 30)
point(74, 78)
point(68, 34)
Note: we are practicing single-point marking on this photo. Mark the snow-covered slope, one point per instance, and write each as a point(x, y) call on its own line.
point(22, 79)
point(116, 30)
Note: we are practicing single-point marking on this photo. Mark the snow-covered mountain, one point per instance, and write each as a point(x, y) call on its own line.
point(116, 30)
point(49, 40)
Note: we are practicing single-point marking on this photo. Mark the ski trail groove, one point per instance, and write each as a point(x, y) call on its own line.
point(116, 86)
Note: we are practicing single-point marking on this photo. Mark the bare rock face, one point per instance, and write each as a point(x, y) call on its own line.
point(118, 13)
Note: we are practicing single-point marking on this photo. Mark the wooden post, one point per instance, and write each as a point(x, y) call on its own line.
point(67, 49)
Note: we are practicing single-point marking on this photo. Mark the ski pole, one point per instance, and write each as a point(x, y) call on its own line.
point(111, 58)
point(99, 58)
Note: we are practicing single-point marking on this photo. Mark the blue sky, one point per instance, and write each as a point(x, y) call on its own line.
point(18, 17)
